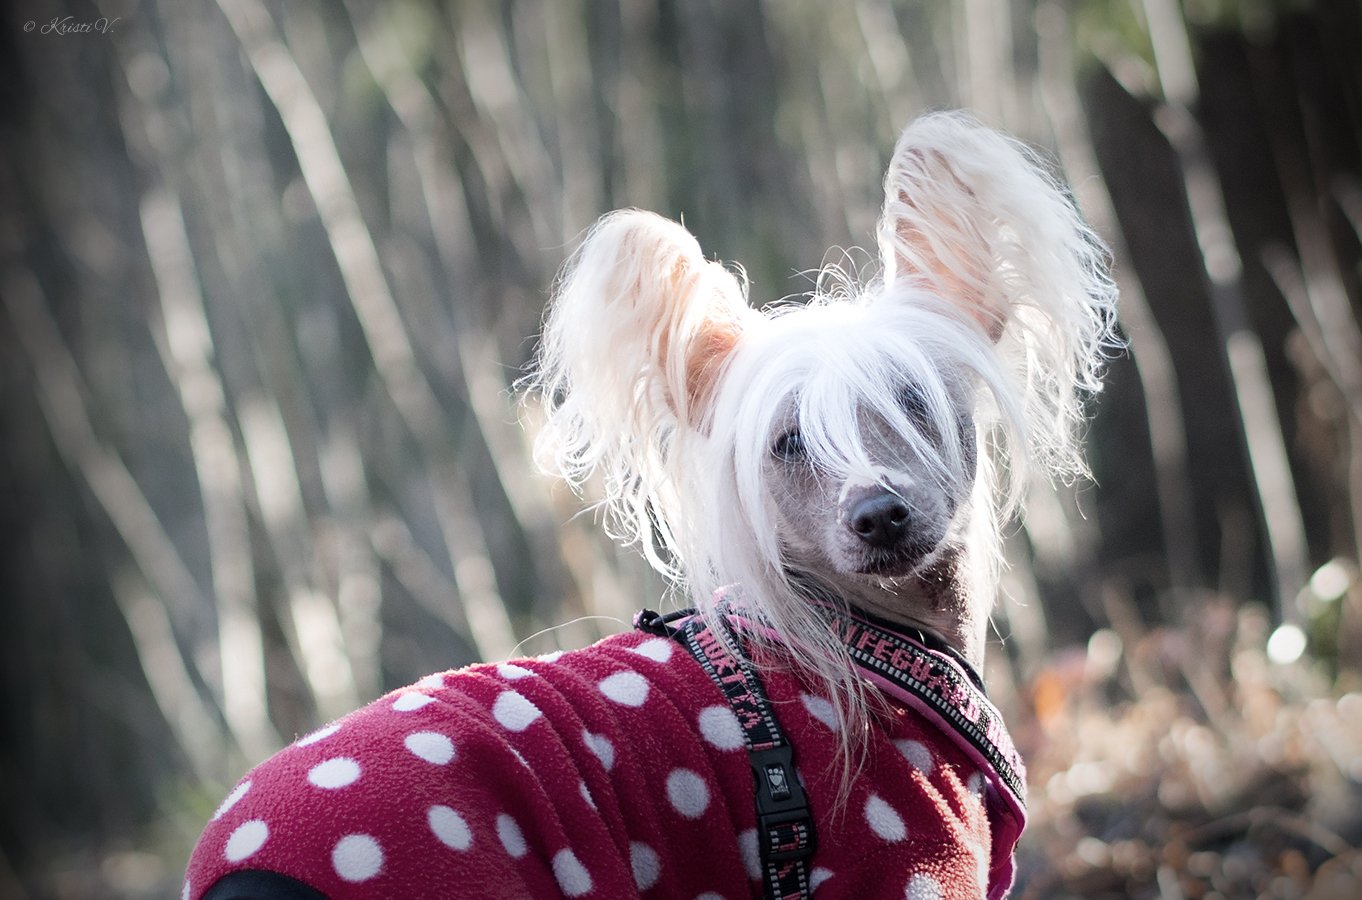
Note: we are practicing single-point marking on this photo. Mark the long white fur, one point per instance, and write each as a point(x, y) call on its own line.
point(657, 376)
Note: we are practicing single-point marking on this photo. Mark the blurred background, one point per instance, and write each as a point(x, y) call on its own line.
point(269, 269)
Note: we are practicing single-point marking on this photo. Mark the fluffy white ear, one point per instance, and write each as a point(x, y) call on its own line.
point(975, 215)
point(641, 321)
point(636, 337)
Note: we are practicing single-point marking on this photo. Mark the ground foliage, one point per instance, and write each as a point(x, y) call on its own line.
point(1220, 776)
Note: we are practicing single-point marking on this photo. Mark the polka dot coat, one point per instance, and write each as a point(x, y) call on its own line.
point(610, 772)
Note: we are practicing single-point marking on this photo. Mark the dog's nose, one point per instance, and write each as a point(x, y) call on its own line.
point(880, 520)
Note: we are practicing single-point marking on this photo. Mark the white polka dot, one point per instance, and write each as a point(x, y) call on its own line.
point(688, 793)
point(433, 747)
point(647, 865)
point(750, 852)
point(318, 735)
point(449, 827)
point(818, 876)
point(508, 832)
point(586, 795)
point(822, 710)
point(720, 727)
point(918, 756)
point(232, 798)
point(334, 773)
point(884, 820)
point(513, 712)
point(357, 857)
point(245, 840)
point(600, 745)
point(709, 895)
point(412, 700)
point(552, 657)
point(572, 876)
point(976, 785)
point(511, 672)
point(982, 861)
point(657, 649)
point(923, 887)
point(432, 682)
point(625, 688)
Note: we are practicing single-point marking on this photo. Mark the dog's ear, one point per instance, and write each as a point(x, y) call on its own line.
point(643, 323)
point(936, 229)
point(975, 216)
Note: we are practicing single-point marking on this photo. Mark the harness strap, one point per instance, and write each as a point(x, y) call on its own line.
point(940, 685)
point(785, 832)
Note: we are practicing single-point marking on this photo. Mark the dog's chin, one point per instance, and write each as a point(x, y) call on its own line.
point(899, 562)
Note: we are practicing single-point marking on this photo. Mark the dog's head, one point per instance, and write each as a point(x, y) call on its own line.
point(845, 434)
point(848, 447)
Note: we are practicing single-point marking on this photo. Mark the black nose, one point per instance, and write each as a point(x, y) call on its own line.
point(880, 520)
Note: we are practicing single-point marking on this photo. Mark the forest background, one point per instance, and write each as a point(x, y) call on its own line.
point(268, 270)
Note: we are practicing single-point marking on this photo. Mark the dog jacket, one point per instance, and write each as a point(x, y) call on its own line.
point(618, 771)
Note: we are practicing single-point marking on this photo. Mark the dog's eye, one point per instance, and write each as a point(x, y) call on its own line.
point(789, 446)
point(913, 403)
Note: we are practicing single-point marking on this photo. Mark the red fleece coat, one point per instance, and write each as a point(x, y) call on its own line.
point(610, 772)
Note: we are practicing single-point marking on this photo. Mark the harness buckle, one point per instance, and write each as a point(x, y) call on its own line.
point(786, 826)
point(658, 623)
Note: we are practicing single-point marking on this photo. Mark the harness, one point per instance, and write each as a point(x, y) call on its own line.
point(921, 670)
point(785, 835)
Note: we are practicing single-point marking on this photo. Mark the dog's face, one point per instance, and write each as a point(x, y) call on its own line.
point(889, 520)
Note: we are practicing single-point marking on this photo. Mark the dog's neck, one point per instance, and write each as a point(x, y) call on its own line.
point(937, 599)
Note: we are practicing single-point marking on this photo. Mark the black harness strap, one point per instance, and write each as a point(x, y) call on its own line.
point(785, 833)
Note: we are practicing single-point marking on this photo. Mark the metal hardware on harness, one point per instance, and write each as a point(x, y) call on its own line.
point(785, 832)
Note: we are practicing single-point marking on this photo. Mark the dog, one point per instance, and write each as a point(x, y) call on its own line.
point(826, 482)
